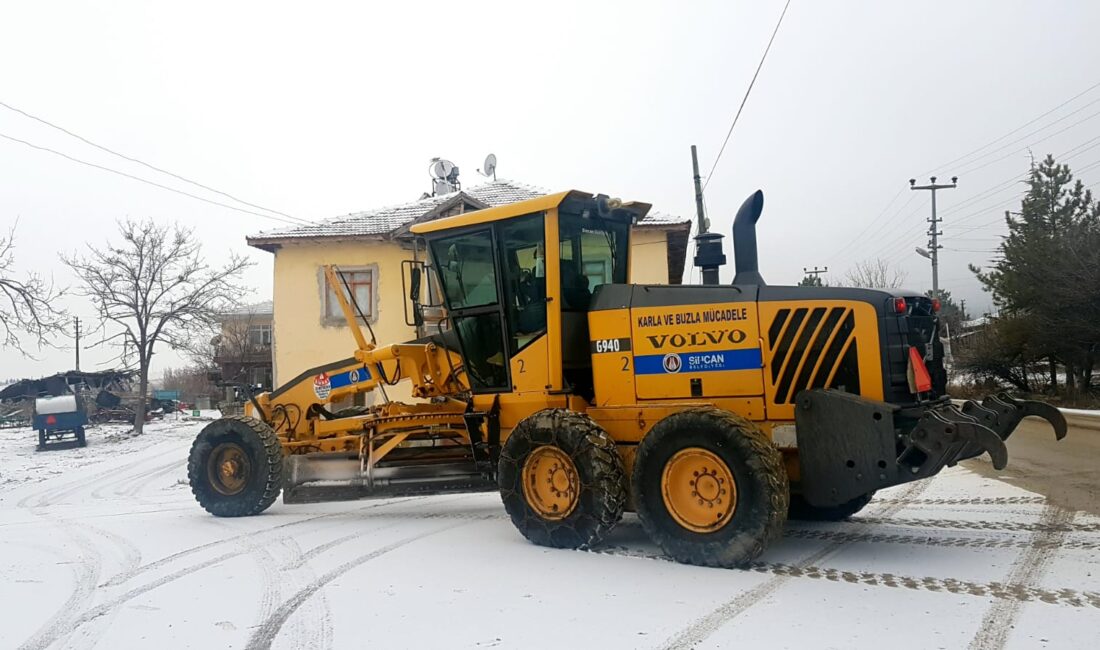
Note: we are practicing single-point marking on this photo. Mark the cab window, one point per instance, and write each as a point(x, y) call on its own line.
point(523, 277)
point(593, 252)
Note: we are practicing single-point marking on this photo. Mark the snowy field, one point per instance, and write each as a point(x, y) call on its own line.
point(105, 547)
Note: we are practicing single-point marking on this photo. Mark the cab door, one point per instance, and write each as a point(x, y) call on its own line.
point(468, 271)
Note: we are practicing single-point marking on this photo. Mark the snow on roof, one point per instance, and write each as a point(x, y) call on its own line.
point(387, 220)
point(265, 307)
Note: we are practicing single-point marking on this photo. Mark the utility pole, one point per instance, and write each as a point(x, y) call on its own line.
point(816, 271)
point(708, 245)
point(76, 323)
point(933, 252)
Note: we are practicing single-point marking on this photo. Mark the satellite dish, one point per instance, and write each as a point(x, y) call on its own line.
point(441, 169)
point(490, 166)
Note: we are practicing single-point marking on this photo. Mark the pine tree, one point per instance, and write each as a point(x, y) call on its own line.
point(1048, 271)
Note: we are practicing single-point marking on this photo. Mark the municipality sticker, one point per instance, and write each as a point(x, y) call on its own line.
point(322, 386)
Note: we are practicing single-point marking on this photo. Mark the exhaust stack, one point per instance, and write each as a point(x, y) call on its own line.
point(744, 240)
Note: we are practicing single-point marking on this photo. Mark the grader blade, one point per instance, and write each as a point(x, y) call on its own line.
point(317, 478)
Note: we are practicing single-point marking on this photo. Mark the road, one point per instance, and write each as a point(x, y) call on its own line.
point(1067, 471)
point(105, 547)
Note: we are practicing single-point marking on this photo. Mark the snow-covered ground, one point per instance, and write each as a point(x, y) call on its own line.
point(105, 547)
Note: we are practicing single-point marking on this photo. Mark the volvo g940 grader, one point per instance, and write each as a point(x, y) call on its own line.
point(713, 411)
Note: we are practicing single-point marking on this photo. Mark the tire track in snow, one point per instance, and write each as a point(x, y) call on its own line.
point(1012, 591)
point(86, 574)
point(135, 488)
point(1026, 570)
point(952, 542)
point(707, 625)
point(120, 484)
point(263, 637)
point(51, 493)
point(69, 621)
point(975, 501)
point(65, 628)
point(1040, 526)
point(168, 559)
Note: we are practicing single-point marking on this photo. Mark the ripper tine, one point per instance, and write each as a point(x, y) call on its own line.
point(986, 416)
point(946, 438)
point(1008, 416)
point(1043, 410)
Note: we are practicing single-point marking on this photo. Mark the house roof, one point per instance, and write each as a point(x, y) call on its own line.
point(262, 308)
point(391, 220)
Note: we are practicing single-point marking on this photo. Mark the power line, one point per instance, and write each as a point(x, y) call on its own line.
point(892, 236)
point(143, 180)
point(141, 162)
point(989, 191)
point(863, 232)
point(1016, 130)
point(746, 97)
point(1043, 139)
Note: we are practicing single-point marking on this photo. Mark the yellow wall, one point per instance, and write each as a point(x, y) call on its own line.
point(648, 257)
point(301, 339)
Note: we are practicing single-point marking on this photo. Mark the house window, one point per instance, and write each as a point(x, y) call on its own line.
point(361, 283)
point(259, 335)
point(261, 376)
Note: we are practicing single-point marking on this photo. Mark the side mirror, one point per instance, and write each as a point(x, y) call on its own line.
point(414, 284)
point(414, 316)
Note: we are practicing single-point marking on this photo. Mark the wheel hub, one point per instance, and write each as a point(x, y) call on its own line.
point(699, 490)
point(228, 469)
point(550, 482)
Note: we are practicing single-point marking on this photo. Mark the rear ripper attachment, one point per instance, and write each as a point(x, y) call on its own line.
point(849, 446)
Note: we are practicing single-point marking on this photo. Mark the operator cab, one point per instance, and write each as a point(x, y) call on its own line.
point(507, 293)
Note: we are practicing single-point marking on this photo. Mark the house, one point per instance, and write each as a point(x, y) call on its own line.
point(369, 247)
point(242, 351)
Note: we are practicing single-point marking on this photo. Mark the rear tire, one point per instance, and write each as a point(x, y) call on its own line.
point(710, 488)
point(803, 511)
point(561, 479)
point(236, 467)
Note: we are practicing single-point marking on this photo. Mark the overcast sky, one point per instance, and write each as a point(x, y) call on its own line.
point(319, 109)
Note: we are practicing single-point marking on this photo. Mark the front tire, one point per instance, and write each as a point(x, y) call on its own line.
point(236, 467)
point(710, 488)
point(561, 479)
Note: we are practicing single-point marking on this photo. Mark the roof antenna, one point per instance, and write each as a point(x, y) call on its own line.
point(444, 175)
point(490, 166)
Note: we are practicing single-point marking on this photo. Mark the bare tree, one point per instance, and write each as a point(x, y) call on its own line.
point(157, 288)
point(192, 382)
point(238, 346)
point(27, 305)
point(875, 274)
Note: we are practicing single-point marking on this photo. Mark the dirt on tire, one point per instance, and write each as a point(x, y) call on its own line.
point(757, 467)
point(264, 452)
point(602, 479)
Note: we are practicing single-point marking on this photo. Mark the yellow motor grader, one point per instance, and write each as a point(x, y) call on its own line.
point(713, 411)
